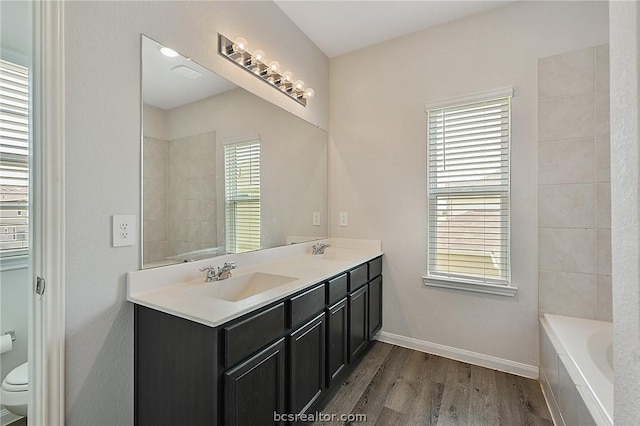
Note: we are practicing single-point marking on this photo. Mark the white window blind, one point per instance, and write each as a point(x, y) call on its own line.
point(468, 192)
point(242, 196)
point(14, 159)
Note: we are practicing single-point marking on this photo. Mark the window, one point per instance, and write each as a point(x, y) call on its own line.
point(468, 195)
point(242, 196)
point(14, 159)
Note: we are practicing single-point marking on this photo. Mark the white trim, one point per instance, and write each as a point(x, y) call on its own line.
point(463, 355)
point(47, 312)
point(500, 290)
point(479, 96)
point(10, 263)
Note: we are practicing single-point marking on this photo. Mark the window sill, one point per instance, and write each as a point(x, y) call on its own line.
point(9, 263)
point(500, 290)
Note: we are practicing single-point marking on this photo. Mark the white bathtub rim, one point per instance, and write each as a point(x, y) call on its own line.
point(601, 411)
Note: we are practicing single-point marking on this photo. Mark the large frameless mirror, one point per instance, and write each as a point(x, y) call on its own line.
point(224, 171)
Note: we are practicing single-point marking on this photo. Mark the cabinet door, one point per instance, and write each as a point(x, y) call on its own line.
point(358, 331)
point(375, 306)
point(337, 344)
point(306, 364)
point(255, 389)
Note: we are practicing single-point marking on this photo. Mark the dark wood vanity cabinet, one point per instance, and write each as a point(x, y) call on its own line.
point(358, 322)
point(375, 306)
point(255, 389)
point(284, 358)
point(337, 339)
point(307, 364)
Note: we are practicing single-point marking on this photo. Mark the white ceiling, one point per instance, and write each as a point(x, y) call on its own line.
point(164, 88)
point(339, 27)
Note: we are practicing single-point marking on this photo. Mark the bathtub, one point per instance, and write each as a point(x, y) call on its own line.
point(576, 369)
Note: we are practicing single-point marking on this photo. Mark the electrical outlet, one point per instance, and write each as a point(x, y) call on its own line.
point(124, 230)
point(316, 218)
point(344, 219)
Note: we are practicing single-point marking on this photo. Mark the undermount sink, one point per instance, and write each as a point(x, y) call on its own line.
point(239, 288)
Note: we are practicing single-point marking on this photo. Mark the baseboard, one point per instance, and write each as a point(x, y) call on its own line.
point(488, 361)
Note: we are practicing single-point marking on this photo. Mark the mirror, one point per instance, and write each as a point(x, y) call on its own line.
point(224, 171)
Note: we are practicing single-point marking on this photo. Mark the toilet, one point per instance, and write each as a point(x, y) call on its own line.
point(15, 390)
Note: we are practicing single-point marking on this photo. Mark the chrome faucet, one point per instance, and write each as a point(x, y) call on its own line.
point(219, 274)
point(318, 248)
point(225, 272)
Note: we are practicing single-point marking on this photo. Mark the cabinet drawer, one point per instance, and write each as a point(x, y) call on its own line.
point(358, 277)
point(249, 335)
point(375, 268)
point(337, 289)
point(306, 304)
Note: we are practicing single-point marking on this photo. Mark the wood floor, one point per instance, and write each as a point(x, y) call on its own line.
point(398, 386)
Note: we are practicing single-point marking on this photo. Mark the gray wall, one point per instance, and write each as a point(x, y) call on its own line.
point(574, 189)
point(102, 67)
point(378, 161)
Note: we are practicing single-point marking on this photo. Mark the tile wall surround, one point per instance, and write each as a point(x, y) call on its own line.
point(155, 184)
point(192, 193)
point(179, 198)
point(574, 190)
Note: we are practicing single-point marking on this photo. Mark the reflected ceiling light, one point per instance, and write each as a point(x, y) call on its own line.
point(167, 52)
point(237, 52)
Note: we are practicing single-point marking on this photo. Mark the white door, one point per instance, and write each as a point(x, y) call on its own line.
point(46, 358)
point(32, 198)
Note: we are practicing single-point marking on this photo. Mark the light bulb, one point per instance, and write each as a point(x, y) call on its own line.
point(274, 66)
point(168, 52)
point(287, 76)
point(240, 45)
point(299, 85)
point(258, 55)
point(309, 93)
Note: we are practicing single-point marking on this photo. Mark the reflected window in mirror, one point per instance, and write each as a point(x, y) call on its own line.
point(242, 195)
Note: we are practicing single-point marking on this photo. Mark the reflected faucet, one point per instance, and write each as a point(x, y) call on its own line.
point(221, 273)
point(318, 248)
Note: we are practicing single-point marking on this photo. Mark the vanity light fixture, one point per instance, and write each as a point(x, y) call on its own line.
point(237, 52)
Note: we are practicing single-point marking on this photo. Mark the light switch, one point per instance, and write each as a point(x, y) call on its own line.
point(316, 218)
point(344, 219)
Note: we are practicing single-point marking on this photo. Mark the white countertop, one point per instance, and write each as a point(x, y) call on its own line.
point(176, 289)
